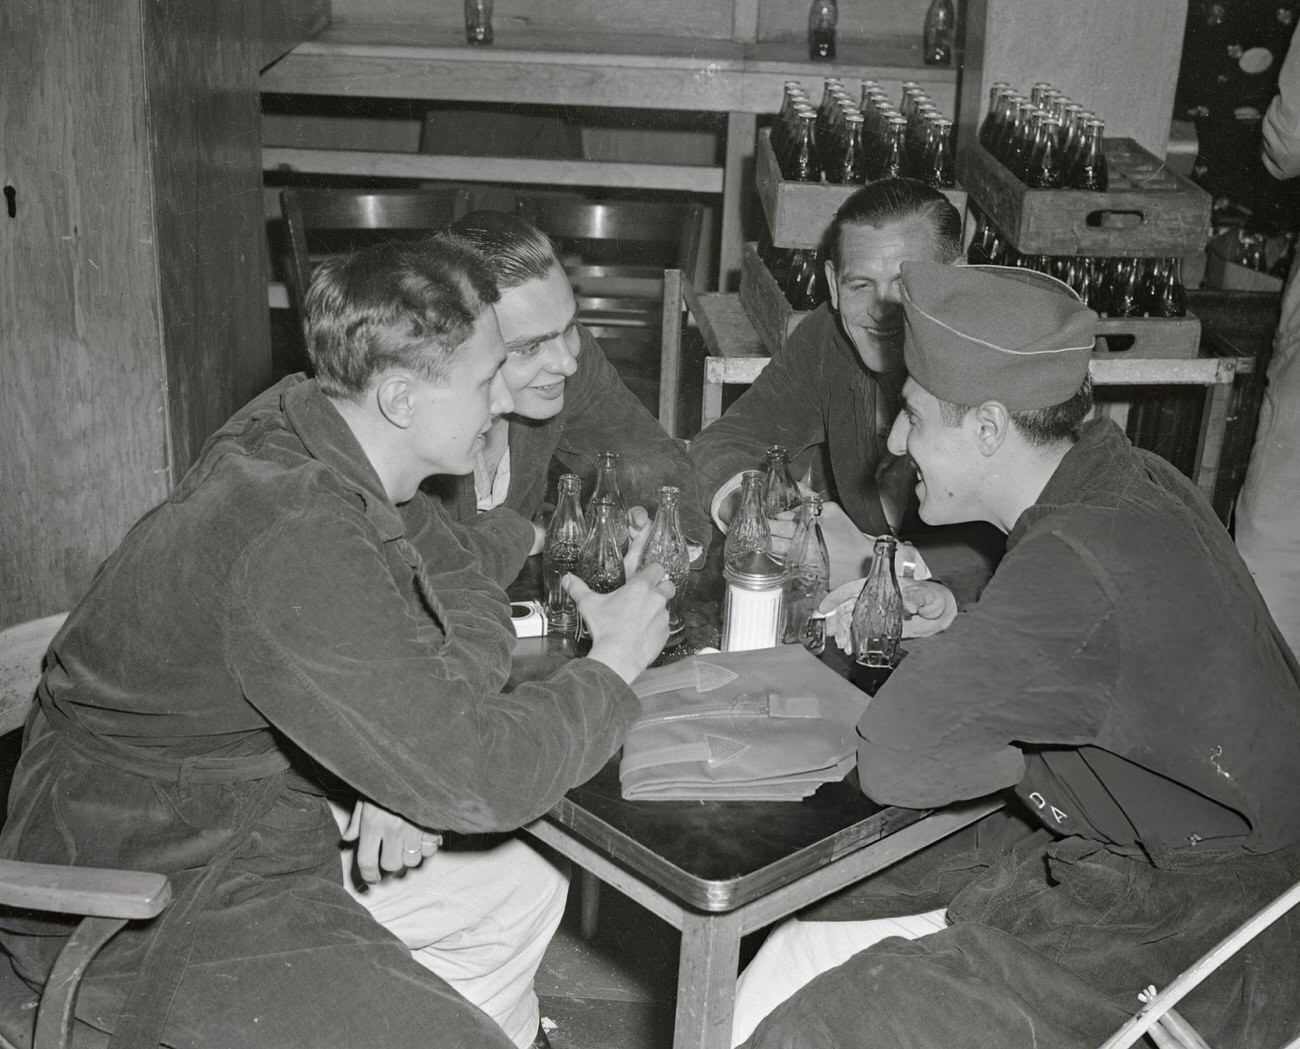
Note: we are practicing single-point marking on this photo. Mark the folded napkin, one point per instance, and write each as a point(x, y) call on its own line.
point(766, 725)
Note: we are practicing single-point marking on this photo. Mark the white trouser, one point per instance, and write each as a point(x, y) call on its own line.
point(797, 951)
point(1268, 506)
point(479, 919)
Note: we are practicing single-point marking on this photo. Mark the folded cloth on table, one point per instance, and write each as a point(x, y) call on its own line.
point(778, 727)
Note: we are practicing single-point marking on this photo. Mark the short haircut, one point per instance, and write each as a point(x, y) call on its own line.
point(1041, 427)
point(515, 251)
point(393, 305)
point(897, 200)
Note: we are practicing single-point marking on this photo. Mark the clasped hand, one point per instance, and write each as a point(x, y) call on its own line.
point(387, 843)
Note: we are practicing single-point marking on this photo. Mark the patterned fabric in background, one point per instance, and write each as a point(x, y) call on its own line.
point(1232, 50)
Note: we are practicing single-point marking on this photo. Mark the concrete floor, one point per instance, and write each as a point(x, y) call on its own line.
point(616, 990)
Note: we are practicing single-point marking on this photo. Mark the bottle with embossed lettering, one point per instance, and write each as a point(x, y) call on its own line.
point(822, 17)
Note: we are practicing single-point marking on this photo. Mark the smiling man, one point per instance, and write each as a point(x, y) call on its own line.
point(831, 394)
point(1120, 675)
point(569, 402)
point(297, 622)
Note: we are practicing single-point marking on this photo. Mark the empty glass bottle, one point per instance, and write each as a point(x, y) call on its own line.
point(600, 564)
point(937, 38)
point(822, 16)
point(565, 534)
point(807, 579)
point(780, 493)
point(667, 546)
point(607, 491)
point(747, 531)
point(877, 624)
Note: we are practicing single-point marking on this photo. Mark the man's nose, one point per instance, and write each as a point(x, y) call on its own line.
point(502, 401)
point(897, 442)
point(560, 358)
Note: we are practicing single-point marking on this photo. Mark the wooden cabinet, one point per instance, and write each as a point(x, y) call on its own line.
point(132, 264)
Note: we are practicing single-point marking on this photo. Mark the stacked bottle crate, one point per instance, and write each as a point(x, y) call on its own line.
point(1048, 191)
point(810, 161)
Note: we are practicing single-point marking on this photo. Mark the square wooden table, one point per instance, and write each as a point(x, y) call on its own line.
point(718, 870)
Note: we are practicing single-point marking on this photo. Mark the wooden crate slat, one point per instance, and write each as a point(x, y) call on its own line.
point(766, 305)
point(1161, 212)
point(798, 213)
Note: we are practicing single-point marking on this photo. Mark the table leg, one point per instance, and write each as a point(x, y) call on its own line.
point(706, 980)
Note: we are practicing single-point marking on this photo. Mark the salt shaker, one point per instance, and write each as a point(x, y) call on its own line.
point(751, 615)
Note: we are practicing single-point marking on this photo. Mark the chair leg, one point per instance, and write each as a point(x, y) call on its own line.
point(59, 999)
point(588, 904)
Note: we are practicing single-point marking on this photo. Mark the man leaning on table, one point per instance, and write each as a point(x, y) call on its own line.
point(1120, 673)
point(298, 621)
point(830, 395)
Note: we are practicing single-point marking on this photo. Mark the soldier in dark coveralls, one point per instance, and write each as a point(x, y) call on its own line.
point(296, 619)
point(1120, 674)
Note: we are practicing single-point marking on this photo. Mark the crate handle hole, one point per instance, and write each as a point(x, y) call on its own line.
point(1117, 343)
point(1105, 219)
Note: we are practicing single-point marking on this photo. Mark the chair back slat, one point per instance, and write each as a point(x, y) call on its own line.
point(22, 651)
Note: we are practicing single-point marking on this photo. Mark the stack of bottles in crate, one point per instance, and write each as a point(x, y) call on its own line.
point(844, 141)
point(1046, 140)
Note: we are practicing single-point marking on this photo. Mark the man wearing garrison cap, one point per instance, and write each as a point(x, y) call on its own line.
point(1120, 675)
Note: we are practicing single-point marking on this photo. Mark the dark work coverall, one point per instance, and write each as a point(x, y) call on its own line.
point(600, 414)
point(274, 629)
point(1122, 673)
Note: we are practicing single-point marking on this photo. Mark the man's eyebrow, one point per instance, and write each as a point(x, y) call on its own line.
point(530, 339)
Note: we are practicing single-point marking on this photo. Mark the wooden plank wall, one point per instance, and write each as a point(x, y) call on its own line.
point(206, 156)
point(1120, 60)
point(83, 429)
point(133, 267)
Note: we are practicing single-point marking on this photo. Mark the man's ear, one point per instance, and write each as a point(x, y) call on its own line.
point(394, 397)
point(992, 423)
point(831, 286)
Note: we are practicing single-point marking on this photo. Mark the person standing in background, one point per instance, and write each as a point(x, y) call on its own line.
point(1268, 508)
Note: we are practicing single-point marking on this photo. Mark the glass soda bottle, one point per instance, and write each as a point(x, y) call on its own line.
point(852, 170)
point(807, 580)
point(822, 16)
point(747, 532)
point(607, 491)
point(877, 624)
point(667, 546)
point(780, 493)
point(893, 160)
point(600, 563)
point(937, 37)
point(565, 535)
point(1090, 171)
point(803, 160)
point(802, 280)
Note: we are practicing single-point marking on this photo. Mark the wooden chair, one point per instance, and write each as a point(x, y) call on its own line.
point(325, 222)
point(107, 899)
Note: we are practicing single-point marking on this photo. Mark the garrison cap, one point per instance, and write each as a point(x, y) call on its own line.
point(994, 333)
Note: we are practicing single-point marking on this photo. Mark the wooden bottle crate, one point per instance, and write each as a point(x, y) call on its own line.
point(1148, 210)
point(798, 213)
point(764, 302)
point(1149, 338)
